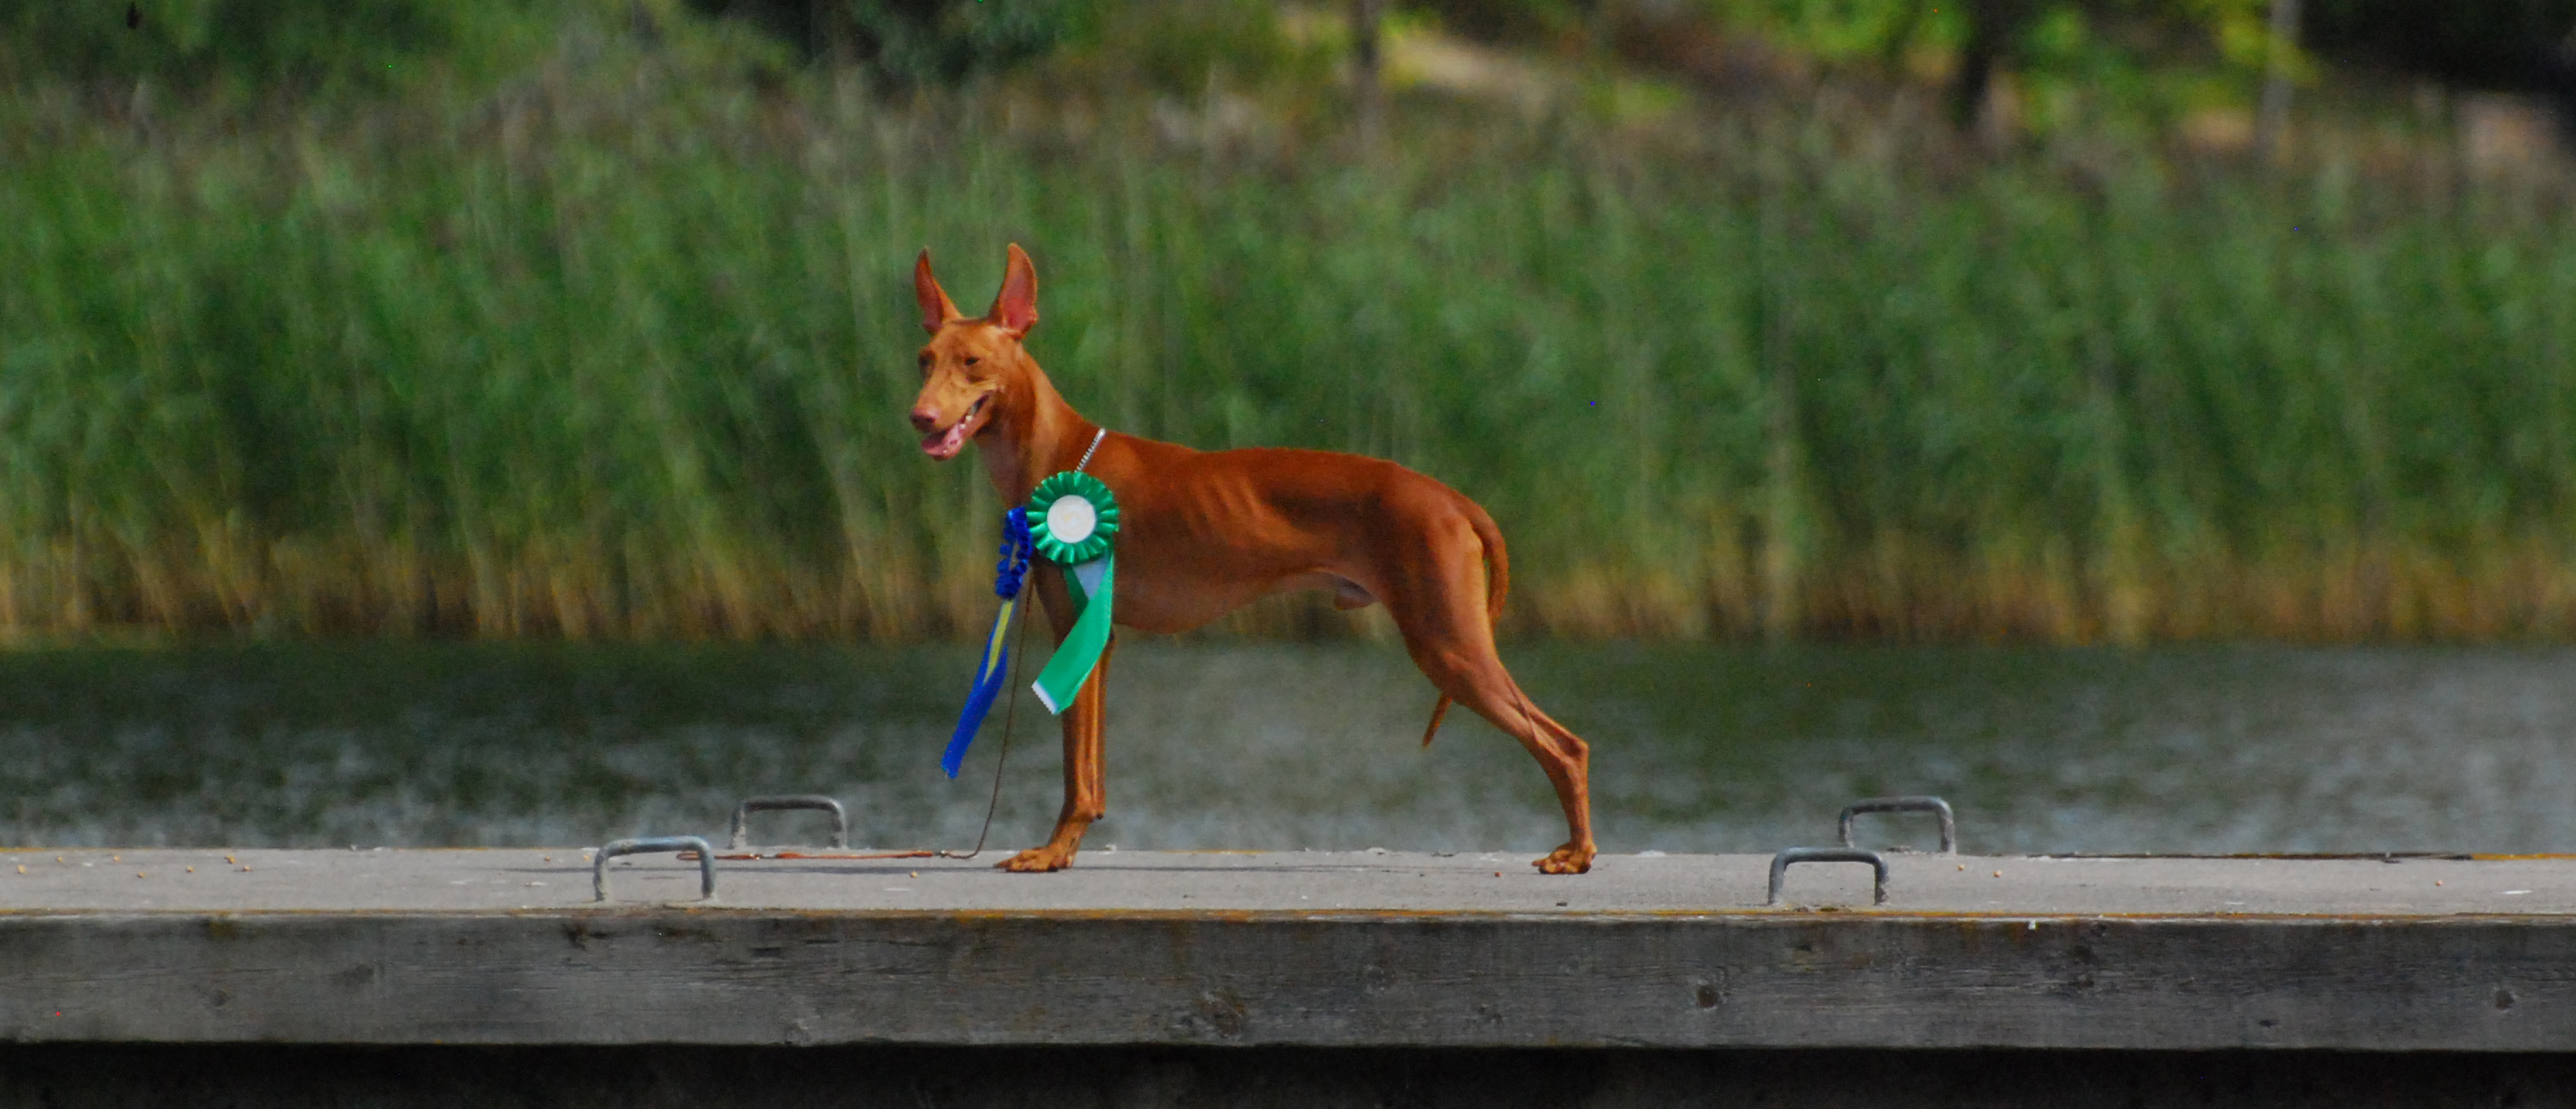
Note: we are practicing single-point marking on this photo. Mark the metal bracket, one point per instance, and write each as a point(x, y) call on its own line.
point(1934, 805)
point(655, 845)
point(742, 816)
point(1780, 867)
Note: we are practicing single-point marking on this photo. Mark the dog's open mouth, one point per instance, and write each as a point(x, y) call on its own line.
point(944, 445)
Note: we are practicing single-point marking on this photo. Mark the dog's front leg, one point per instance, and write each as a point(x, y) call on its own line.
point(1086, 795)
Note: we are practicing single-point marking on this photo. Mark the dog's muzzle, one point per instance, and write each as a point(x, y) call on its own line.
point(944, 445)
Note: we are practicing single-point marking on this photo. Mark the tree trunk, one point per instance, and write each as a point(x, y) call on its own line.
point(1367, 91)
point(2273, 121)
point(1992, 27)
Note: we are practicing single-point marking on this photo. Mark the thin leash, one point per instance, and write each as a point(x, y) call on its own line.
point(1011, 711)
point(1010, 715)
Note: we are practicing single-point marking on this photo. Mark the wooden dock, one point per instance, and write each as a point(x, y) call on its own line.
point(1289, 950)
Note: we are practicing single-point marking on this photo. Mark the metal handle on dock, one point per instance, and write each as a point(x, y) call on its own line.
point(1780, 867)
point(655, 845)
point(742, 816)
point(1934, 805)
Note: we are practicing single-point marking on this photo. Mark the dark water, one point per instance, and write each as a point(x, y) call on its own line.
point(1223, 745)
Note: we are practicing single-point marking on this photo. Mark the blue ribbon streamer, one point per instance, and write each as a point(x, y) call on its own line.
point(1008, 575)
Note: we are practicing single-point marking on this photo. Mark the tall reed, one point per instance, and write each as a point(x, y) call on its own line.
point(615, 353)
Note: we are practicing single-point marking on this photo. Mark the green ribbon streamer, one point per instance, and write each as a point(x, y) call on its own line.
point(1090, 573)
point(1079, 654)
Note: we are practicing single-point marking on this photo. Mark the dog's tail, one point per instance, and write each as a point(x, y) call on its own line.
point(1498, 584)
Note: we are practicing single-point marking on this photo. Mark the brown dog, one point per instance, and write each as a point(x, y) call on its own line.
point(1203, 533)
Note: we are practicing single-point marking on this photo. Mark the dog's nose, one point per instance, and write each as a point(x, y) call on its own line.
point(925, 420)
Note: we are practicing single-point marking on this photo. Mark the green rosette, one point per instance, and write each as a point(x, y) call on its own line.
point(1076, 532)
point(1071, 519)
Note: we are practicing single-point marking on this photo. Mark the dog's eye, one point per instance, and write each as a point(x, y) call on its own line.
point(971, 360)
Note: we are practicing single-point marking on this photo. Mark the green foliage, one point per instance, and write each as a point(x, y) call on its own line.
point(1175, 45)
point(908, 44)
point(291, 44)
point(1845, 30)
point(2084, 64)
point(1509, 20)
point(932, 42)
point(593, 360)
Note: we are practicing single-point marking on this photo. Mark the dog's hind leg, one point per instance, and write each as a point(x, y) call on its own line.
point(1565, 758)
point(1439, 606)
point(1570, 771)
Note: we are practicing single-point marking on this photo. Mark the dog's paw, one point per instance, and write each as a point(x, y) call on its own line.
point(1037, 860)
point(1568, 859)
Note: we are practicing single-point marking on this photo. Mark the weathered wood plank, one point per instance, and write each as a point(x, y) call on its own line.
point(1410, 980)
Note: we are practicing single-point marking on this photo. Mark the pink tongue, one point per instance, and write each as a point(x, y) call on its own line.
point(955, 439)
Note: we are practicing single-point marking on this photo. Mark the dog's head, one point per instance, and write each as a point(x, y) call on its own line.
point(970, 365)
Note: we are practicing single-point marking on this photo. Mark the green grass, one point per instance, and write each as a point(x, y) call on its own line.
point(615, 352)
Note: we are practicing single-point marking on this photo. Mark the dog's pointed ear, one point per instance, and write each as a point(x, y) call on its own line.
point(1015, 308)
point(936, 308)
